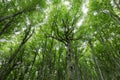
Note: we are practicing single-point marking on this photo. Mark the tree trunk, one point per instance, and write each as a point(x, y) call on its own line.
point(69, 63)
point(95, 60)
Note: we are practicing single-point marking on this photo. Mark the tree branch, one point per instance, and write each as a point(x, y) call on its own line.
point(6, 26)
point(11, 15)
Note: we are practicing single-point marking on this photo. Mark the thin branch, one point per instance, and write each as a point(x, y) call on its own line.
point(58, 39)
point(25, 39)
point(117, 4)
point(13, 56)
point(11, 15)
point(114, 16)
point(7, 25)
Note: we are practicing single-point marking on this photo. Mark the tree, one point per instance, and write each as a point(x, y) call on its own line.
point(59, 40)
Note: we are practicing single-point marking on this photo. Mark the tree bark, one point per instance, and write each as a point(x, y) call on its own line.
point(69, 63)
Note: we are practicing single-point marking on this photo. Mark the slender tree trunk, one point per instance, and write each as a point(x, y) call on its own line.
point(96, 62)
point(69, 63)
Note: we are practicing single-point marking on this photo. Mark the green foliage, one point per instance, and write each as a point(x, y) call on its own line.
point(34, 35)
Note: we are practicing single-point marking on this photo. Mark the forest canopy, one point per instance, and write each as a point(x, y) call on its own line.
point(59, 39)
